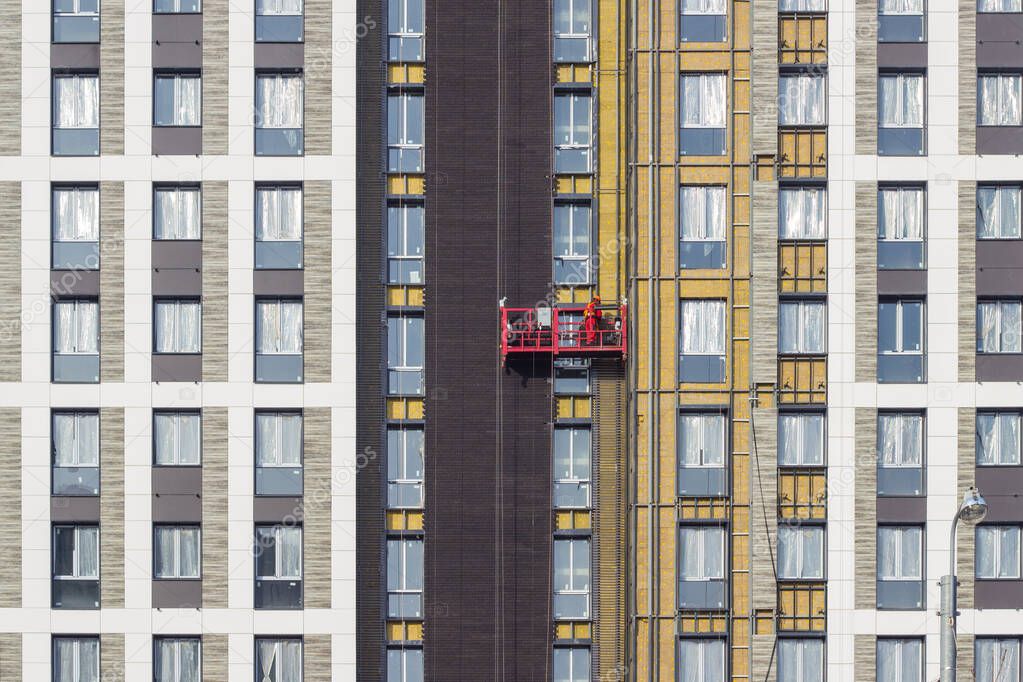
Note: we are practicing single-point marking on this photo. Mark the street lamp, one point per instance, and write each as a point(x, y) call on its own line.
point(972, 511)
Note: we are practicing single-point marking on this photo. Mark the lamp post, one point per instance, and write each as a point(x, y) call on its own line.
point(972, 511)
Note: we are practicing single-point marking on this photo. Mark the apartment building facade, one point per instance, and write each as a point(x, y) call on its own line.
point(179, 356)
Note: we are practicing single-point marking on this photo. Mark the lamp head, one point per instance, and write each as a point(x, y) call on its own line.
point(974, 507)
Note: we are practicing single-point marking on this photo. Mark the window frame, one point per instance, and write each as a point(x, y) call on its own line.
point(802, 304)
point(259, 121)
point(902, 416)
point(998, 188)
point(900, 321)
point(164, 12)
point(901, 76)
point(573, 590)
point(883, 220)
point(75, 576)
point(178, 303)
point(996, 559)
point(403, 652)
point(799, 416)
point(999, 305)
point(77, 640)
point(175, 75)
point(998, 415)
point(985, 75)
point(176, 415)
point(997, 642)
point(277, 641)
point(99, 321)
point(580, 365)
point(803, 641)
point(279, 529)
point(404, 368)
point(801, 190)
point(176, 641)
point(1009, 11)
point(587, 36)
point(76, 188)
point(703, 641)
point(401, 481)
point(403, 590)
point(402, 145)
point(403, 209)
point(405, 34)
point(55, 103)
point(572, 674)
point(573, 96)
point(900, 531)
point(177, 189)
point(801, 91)
point(703, 530)
point(584, 483)
point(920, 646)
point(278, 301)
point(179, 531)
point(587, 260)
point(801, 530)
point(725, 440)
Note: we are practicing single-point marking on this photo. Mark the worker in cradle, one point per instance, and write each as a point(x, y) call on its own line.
point(591, 321)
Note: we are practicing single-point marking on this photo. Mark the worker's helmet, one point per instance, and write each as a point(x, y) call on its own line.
point(596, 299)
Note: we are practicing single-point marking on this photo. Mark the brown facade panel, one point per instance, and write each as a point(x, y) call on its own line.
point(866, 77)
point(764, 506)
point(214, 507)
point(111, 503)
point(10, 657)
point(316, 506)
point(967, 281)
point(865, 655)
point(214, 77)
point(111, 78)
point(214, 281)
point(10, 277)
point(214, 657)
point(765, 77)
point(318, 74)
point(967, 77)
point(866, 281)
point(765, 282)
point(865, 527)
point(111, 291)
point(316, 656)
point(10, 87)
point(317, 281)
point(11, 520)
point(967, 476)
point(764, 658)
point(111, 658)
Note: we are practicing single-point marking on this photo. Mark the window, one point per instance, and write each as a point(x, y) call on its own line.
point(177, 7)
point(701, 578)
point(998, 438)
point(404, 578)
point(76, 659)
point(701, 660)
point(406, 240)
point(571, 664)
point(996, 660)
point(704, 105)
point(76, 341)
point(177, 99)
point(573, 134)
point(76, 115)
point(702, 452)
point(572, 26)
point(998, 327)
point(75, 567)
point(998, 214)
point(900, 567)
point(702, 216)
point(176, 213)
point(900, 446)
point(278, 567)
point(572, 248)
point(999, 6)
point(703, 341)
point(801, 439)
point(405, 467)
point(801, 327)
point(406, 120)
point(177, 326)
point(998, 99)
point(900, 114)
point(571, 467)
point(279, 21)
point(703, 21)
point(75, 453)
point(279, 113)
point(76, 21)
point(279, 227)
point(177, 438)
point(802, 100)
point(176, 659)
point(800, 552)
point(279, 453)
point(571, 579)
point(405, 665)
point(278, 660)
point(801, 660)
point(76, 227)
point(176, 552)
point(405, 30)
point(900, 342)
point(406, 341)
point(900, 228)
point(571, 376)
point(802, 213)
point(998, 552)
point(800, 6)
point(900, 660)
point(278, 340)
point(900, 21)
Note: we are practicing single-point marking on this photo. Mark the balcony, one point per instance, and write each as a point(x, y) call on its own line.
point(563, 331)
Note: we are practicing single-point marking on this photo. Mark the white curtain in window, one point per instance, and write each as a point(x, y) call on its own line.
point(998, 552)
point(898, 553)
point(279, 327)
point(703, 6)
point(802, 213)
point(77, 102)
point(1001, 325)
point(802, 6)
point(290, 552)
point(165, 553)
point(177, 213)
point(702, 660)
point(278, 439)
point(278, 7)
point(76, 439)
point(900, 7)
point(178, 326)
point(800, 552)
point(76, 214)
point(801, 660)
point(703, 213)
point(801, 99)
point(998, 212)
point(899, 660)
point(279, 214)
point(703, 327)
point(704, 100)
point(702, 553)
point(998, 438)
point(901, 101)
point(999, 6)
point(279, 101)
point(999, 100)
point(997, 659)
point(901, 439)
point(800, 439)
point(189, 552)
point(187, 105)
point(87, 548)
point(903, 211)
point(801, 327)
point(703, 440)
point(77, 325)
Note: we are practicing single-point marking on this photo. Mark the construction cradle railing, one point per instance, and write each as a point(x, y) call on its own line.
point(563, 331)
